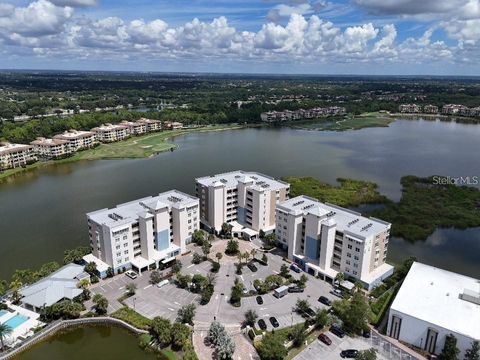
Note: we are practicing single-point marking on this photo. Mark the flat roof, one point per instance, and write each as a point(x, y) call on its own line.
point(6, 148)
point(433, 295)
point(231, 179)
point(348, 221)
point(127, 213)
point(101, 266)
point(73, 134)
point(48, 142)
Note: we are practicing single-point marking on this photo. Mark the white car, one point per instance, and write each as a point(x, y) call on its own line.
point(163, 283)
point(131, 274)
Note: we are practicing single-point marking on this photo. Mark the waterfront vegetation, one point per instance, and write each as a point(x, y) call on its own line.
point(349, 193)
point(426, 204)
point(349, 122)
point(132, 317)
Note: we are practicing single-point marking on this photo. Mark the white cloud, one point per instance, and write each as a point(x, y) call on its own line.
point(74, 3)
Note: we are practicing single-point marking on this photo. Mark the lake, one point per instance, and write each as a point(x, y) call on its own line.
point(42, 213)
point(91, 342)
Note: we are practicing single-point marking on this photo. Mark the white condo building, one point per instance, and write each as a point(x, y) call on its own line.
point(111, 133)
point(51, 148)
point(433, 303)
point(78, 140)
point(246, 200)
point(144, 233)
point(325, 240)
point(15, 155)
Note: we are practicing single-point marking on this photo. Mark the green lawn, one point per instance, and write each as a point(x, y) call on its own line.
point(348, 193)
point(349, 122)
point(132, 317)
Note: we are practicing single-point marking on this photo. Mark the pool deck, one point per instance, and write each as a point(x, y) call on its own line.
point(23, 330)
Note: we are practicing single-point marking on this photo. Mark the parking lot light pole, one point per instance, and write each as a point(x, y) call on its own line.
point(134, 298)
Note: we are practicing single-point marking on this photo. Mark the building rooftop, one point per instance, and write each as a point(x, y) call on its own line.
point(350, 222)
point(109, 127)
point(73, 134)
point(130, 212)
point(48, 142)
point(62, 284)
point(6, 148)
point(437, 296)
point(231, 179)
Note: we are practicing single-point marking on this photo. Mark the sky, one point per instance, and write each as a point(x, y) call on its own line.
point(372, 37)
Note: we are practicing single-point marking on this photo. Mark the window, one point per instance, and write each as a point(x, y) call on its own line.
point(349, 246)
point(347, 262)
point(349, 255)
point(357, 249)
point(355, 257)
point(126, 252)
point(118, 247)
point(125, 245)
point(125, 237)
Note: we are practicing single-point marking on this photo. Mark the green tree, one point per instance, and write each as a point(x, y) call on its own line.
point(473, 353)
point(155, 277)
point(450, 350)
point(15, 286)
point(225, 347)
point(162, 328)
point(299, 334)
point(84, 284)
point(101, 303)
point(176, 267)
point(48, 268)
point(219, 256)
point(180, 336)
point(226, 230)
point(186, 314)
point(190, 355)
point(197, 258)
point(321, 318)
point(270, 240)
point(236, 294)
point(3, 287)
point(339, 278)
point(284, 271)
point(206, 248)
point(272, 348)
point(232, 247)
point(250, 317)
point(302, 306)
point(91, 268)
point(215, 331)
point(370, 354)
point(75, 255)
point(5, 330)
point(199, 282)
point(131, 288)
point(265, 258)
point(358, 314)
point(183, 280)
point(211, 238)
point(144, 341)
point(198, 237)
point(110, 273)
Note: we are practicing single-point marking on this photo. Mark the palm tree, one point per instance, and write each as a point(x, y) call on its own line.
point(131, 288)
point(219, 256)
point(15, 286)
point(253, 253)
point(4, 331)
point(339, 278)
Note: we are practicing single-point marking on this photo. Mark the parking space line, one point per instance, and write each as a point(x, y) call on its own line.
point(146, 287)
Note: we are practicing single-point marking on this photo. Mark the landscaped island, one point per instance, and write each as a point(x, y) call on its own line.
point(426, 203)
point(349, 122)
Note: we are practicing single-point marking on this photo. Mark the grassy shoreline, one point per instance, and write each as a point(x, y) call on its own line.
point(133, 148)
point(349, 122)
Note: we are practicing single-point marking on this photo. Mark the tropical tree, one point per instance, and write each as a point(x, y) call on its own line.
point(284, 271)
point(265, 258)
point(186, 314)
point(369, 354)
point(250, 317)
point(450, 350)
point(246, 256)
point(206, 248)
point(4, 331)
point(232, 247)
point(299, 334)
point(339, 278)
point(110, 273)
point(198, 237)
point(473, 353)
point(355, 313)
point(253, 252)
point(225, 347)
point(302, 306)
point(302, 282)
point(155, 277)
point(101, 303)
point(272, 347)
point(84, 284)
point(131, 288)
point(162, 328)
point(15, 286)
point(197, 258)
point(226, 230)
point(321, 318)
point(183, 280)
point(180, 335)
point(215, 331)
point(91, 268)
point(219, 256)
point(75, 255)
point(176, 267)
point(211, 238)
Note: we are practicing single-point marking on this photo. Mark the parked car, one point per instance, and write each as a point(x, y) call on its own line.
point(252, 267)
point(335, 330)
point(274, 322)
point(349, 354)
point(131, 274)
point(295, 268)
point(259, 300)
point(325, 301)
point(325, 339)
point(366, 334)
point(295, 289)
point(310, 312)
point(262, 325)
point(337, 292)
point(163, 283)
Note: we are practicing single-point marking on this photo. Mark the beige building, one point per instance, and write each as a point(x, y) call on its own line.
point(15, 155)
point(135, 128)
point(172, 125)
point(151, 124)
point(110, 133)
point(51, 148)
point(240, 198)
point(325, 240)
point(144, 233)
point(78, 140)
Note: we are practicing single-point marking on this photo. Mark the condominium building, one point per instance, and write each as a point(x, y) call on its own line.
point(51, 148)
point(433, 304)
point(172, 125)
point(152, 125)
point(144, 233)
point(430, 109)
point(325, 240)
point(135, 128)
point(110, 133)
point(410, 108)
point(78, 140)
point(240, 198)
point(15, 155)
point(288, 115)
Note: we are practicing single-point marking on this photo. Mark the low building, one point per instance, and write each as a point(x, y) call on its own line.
point(78, 140)
point(151, 124)
point(288, 115)
point(110, 133)
point(58, 286)
point(51, 148)
point(144, 233)
point(430, 109)
point(240, 198)
point(410, 108)
point(172, 125)
point(16, 155)
point(433, 303)
point(325, 239)
point(102, 268)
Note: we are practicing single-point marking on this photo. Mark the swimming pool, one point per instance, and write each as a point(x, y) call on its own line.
point(16, 321)
point(3, 312)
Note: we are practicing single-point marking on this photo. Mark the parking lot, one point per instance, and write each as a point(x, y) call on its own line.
point(318, 350)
